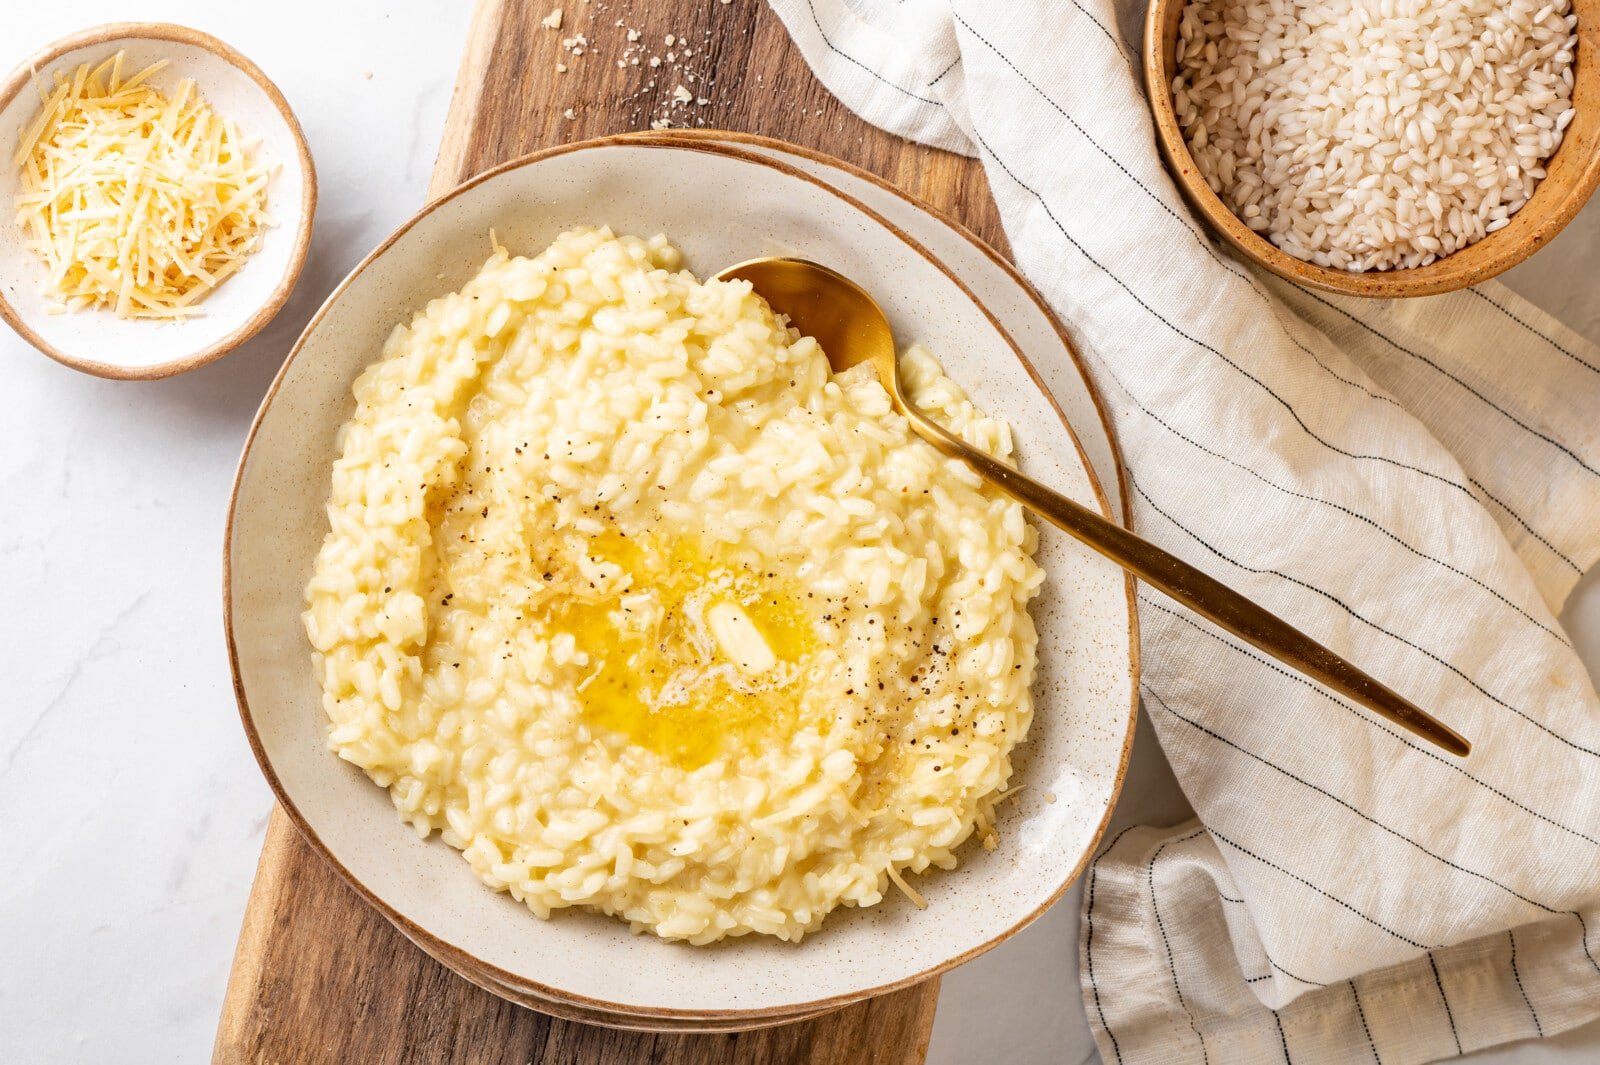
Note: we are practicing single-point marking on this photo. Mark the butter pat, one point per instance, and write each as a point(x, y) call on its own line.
point(741, 642)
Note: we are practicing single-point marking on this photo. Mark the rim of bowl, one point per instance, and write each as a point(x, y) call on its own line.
point(453, 956)
point(24, 75)
point(1497, 252)
point(688, 1025)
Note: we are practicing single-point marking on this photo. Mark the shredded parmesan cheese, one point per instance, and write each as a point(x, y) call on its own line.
point(136, 201)
point(910, 892)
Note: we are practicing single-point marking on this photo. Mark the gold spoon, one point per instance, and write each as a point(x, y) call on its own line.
point(852, 329)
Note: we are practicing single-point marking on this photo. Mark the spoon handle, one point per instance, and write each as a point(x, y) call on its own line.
point(1196, 590)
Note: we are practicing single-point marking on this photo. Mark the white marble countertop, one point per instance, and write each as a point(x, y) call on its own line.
point(133, 811)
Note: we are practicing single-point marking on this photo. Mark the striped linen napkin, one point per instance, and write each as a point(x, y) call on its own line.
point(1414, 483)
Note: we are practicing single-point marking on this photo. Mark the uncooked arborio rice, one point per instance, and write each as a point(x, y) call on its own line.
point(634, 602)
point(1374, 134)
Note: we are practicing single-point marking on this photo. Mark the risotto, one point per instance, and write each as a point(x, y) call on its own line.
point(636, 604)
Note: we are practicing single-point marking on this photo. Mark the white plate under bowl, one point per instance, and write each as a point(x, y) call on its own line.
point(719, 204)
point(568, 1011)
point(97, 341)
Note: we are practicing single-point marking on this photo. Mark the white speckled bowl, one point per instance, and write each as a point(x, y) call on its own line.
point(98, 342)
point(720, 204)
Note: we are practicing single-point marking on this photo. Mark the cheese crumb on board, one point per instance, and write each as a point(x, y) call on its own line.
point(552, 21)
point(135, 200)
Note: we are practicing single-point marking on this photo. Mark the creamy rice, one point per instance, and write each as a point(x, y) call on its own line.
point(643, 610)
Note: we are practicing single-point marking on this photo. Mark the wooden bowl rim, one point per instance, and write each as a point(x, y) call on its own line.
point(46, 57)
point(1442, 275)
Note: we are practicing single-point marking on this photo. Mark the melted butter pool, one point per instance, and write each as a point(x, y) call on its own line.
point(690, 655)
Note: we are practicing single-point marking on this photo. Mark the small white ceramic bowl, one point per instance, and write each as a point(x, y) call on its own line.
point(98, 342)
point(719, 204)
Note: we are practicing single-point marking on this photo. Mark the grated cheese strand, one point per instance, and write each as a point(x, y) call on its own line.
point(910, 892)
point(135, 200)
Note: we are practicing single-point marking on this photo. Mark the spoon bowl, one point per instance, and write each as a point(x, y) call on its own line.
point(852, 329)
point(828, 307)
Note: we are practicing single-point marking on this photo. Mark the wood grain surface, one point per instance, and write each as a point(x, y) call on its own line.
point(510, 98)
point(319, 977)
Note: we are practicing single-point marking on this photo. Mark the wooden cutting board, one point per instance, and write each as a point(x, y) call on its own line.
point(319, 977)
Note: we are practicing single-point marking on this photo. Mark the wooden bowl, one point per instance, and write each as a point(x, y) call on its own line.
point(1572, 174)
point(97, 341)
